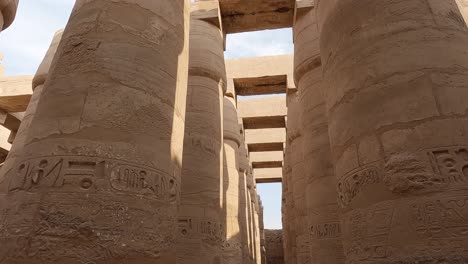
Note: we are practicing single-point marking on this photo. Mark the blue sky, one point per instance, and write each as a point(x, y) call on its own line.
point(25, 42)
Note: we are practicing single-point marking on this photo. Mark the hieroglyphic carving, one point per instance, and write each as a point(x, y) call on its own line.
point(353, 183)
point(80, 173)
point(201, 228)
point(451, 163)
point(445, 217)
point(109, 227)
point(205, 144)
point(325, 230)
point(368, 230)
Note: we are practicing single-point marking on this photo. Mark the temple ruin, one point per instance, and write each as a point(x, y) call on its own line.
point(137, 142)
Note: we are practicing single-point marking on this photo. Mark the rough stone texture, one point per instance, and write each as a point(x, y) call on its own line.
point(99, 180)
point(322, 209)
point(274, 246)
point(37, 88)
point(7, 12)
point(397, 122)
point(201, 226)
point(233, 246)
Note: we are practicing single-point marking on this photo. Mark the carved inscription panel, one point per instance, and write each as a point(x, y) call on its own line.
point(78, 173)
point(197, 228)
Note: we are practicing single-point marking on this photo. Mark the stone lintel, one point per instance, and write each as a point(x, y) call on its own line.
point(262, 107)
point(252, 15)
point(262, 75)
point(265, 135)
point(15, 92)
point(268, 175)
point(266, 156)
point(264, 122)
point(9, 121)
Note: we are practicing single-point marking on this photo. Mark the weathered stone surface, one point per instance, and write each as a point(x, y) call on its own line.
point(274, 246)
point(99, 180)
point(397, 121)
point(322, 224)
point(201, 221)
point(233, 246)
point(7, 12)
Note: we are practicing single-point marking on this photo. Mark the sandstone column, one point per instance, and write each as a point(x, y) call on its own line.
point(243, 202)
point(322, 209)
point(201, 224)
point(291, 99)
point(7, 12)
point(287, 207)
point(256, 224)
point(251, 207)
point(98, 178)
point(262, 230)
point(37, 87)
point(299, 180)
point(396, 76)
point(232, 248)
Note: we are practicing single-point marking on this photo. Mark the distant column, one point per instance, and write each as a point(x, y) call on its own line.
point(298, 179)
point(98, 179)
point(7, 12)
point(396, 82)
point(37, 86)
point(200, 214)
point(244, 202)
point(287, 205)
point(232, 248)
point(251, 206)
point(290, 221)
point(322, 209)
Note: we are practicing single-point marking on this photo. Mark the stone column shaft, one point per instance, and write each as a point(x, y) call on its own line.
point(232, 248)
point(298, 179)
point(396, 82)
point(200, 214)
point(98, 179)
point(243, 199)
point(292, 112)
point(323, 224)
